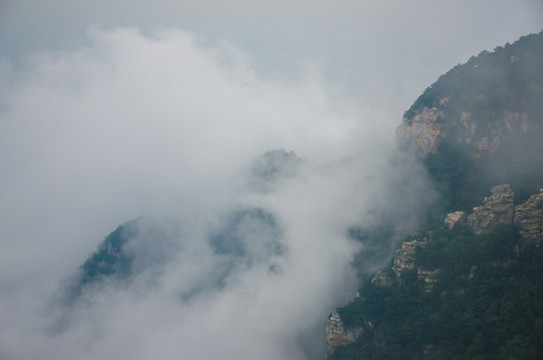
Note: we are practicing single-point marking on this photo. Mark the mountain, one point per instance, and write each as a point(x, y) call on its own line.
point(467, 286)
point(239, 237)
point(481, 124)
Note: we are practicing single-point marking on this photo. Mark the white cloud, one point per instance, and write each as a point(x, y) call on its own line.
point(162, 125)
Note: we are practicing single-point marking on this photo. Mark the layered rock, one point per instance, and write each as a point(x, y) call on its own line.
point(498, 208)
point(337, 334)
point(404, 259)
point(457, 217)
point(424, 130)
point(530, 218)
point(432, 126)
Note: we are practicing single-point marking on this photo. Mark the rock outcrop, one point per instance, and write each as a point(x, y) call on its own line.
point(457, 217)
point(498, 208)
point(404, 259)
point(424, 129)
point(337, 334)
point(381, 279)
point(433, 126)
point(530, 218)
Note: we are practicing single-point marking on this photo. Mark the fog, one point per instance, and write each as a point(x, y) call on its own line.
point(163, 127)
point(384, 53)
point(108, 116)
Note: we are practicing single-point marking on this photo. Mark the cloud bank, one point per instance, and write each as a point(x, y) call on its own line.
point(167, 127)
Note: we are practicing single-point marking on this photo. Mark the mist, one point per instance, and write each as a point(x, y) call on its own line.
point(171, 129)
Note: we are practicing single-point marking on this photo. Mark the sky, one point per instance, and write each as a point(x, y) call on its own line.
point(383, 52)
point(114, 110)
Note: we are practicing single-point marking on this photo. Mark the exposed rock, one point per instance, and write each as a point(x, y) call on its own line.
point(498, 208)
point(433, 126)
point(516, 121)
point(486, 145)
point(424, 129)
point(469, 125)
point(444, 101)
point(457, 217)
point(337, 334)
point(530, 218)
point(404, 259)
point(381, 279)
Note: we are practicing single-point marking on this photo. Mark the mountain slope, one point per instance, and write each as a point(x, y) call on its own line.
point(468, 288)
point(481, 124)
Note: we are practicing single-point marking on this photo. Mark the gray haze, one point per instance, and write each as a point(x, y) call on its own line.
point(384, 52)
point(111, 110)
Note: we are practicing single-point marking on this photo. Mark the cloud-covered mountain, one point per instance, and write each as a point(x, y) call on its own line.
point(468, 285)
point(218, 246)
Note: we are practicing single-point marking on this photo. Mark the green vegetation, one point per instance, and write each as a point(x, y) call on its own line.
point(487, 303)
point(462, 181)
point(509, 78)
point(458, 179)
point(500, 93)
point(468, 296)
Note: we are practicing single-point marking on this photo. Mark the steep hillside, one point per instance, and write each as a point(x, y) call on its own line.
point(481, 124)
point(468, 290)
point(469, 286)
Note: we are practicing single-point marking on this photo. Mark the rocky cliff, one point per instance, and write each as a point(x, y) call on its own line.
point(451, 291)
point(498, 208)
point(530, 218)
point(404, 258)
point(431, 127)
point(425, 130)
point(457, 217)
point(338, 335)
point(478, 105)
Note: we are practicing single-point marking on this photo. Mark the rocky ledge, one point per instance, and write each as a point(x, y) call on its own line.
point(499, 209)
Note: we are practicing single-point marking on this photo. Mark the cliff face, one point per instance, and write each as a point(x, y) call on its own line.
point(431, 127)
point(338, 335)
point(498, 208)
point(530, 218)
point(404, 258)
point(425, 130)
point(480, 103)
point(457, 217)
point(478, 125)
